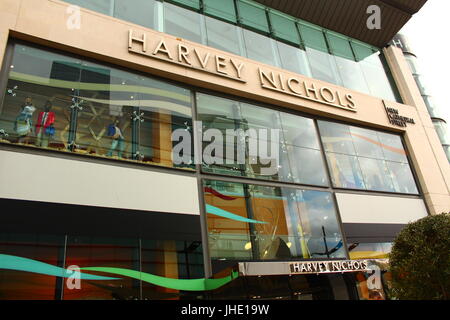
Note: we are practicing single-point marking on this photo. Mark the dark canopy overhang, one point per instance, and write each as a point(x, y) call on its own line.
point(349, 17)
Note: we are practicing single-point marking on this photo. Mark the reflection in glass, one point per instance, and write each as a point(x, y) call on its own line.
point(402, 177)
point(376, 174)
point(224, 36)
point(376, 77)
point(36, 109)
point(323, 66)
point(284, 223)
point(392, 147)
point(345, 171)
point(62, 103)
point(336, 137)
point(22, 285)
point(307, 166)
point(183, 23)
point(102, 6)
point(141, 12)
point(170, 259)
point(293, 59)
point(351, 75)
point(366, 143)
point(260, 48)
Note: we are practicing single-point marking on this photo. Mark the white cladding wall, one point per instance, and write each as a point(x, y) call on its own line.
point(379, 209)
point(49, 179)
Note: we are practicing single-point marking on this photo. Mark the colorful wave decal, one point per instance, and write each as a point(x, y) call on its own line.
point(28, 265)
point(225, 214)
point(15, 263)
point(170, 283)
point(218, 194)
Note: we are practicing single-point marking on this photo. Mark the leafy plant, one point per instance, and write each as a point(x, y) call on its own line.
point(420, 260)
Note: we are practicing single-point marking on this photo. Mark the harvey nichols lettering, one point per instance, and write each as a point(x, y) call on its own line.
point(311, 267)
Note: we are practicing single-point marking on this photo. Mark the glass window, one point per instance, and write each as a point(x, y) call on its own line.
point(336, 137)
point(103, 123)
point(163, 108)
point(189, 3)
point(93, 252)
point(318, 231)
point(253, 15)
point(26, 255)
point(142, 12)
point(223, 115)
point(370, 160)
point(313, 37)
point(62, 103)
point(402, 177)
point(266, 223)
point(345, 171)
point(362, 51)
point(340, 46)
point(170, 259)
point(303, 149)
point(392, 147)
point(227, 212)
point(351, 74)
point(222, 9)
point(376, 77)
point(102, 6)
point(376, 175)
point(307, 166)
point(284, 27)
point(254, 42)
point(224, 36)
point(37, 108)
point(323, 66)
point(366, 143)
point(267, 126)
point(183, 23)
point(293, 59)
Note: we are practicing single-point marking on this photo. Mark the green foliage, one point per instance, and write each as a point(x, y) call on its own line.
point(420, 260)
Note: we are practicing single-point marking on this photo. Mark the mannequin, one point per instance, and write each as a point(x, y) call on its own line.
point(23, 123)
point(117, 139)
point(44, 125)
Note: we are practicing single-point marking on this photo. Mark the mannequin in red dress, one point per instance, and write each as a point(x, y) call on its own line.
point(45, 121)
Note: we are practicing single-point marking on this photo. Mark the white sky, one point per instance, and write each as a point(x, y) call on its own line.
point(428, 35)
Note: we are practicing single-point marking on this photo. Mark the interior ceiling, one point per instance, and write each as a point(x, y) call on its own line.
point(350, 17)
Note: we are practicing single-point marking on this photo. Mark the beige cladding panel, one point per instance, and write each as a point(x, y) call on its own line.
point(107, 39)
point(379, 209)
point(50, 179)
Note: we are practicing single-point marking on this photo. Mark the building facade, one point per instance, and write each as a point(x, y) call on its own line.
point(100, 202)
point(435, 113)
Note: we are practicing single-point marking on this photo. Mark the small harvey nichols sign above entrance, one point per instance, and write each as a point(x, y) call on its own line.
point(198, 58)
point(314, 267)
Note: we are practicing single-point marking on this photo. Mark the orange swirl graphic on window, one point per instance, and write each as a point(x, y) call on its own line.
point(384, 146)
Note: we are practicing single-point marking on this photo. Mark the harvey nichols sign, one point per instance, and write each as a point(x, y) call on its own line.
point(199, 59)
point(336, 266)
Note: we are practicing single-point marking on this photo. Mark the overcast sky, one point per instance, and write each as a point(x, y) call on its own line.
point(428, 34)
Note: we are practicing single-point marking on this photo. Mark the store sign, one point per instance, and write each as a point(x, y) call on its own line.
point(337, 266)
point(306, 90)
point(196, 58)
point(396, 119)
point(186, 56)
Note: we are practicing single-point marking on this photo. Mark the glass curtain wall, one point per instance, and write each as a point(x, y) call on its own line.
point(248, 29)
point(366, 159)
point(62, 103)
point(251, 222)
point(111, 268)
point(260, 142)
